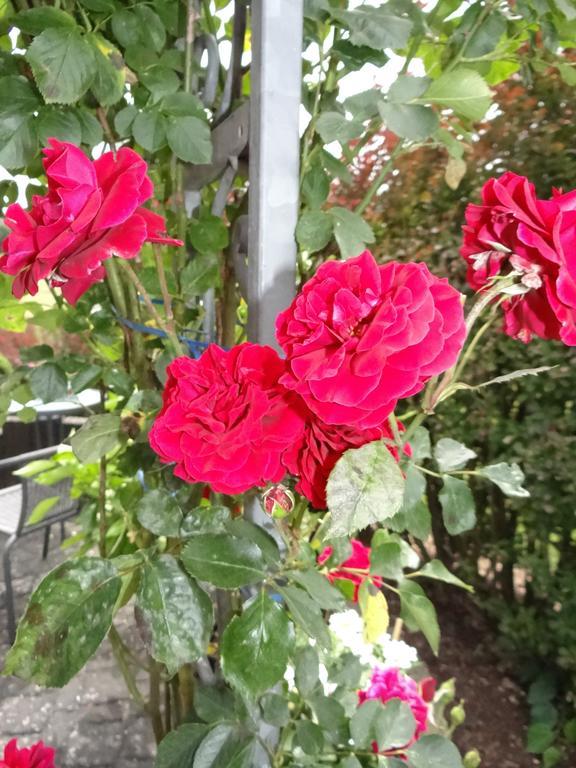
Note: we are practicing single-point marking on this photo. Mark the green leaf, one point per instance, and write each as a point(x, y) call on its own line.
point(200, 274)
point(91, 129)
point(182, 104)
point(420, 444)
point(275, 710)
point(41, 510)
point(333, 126)
point(450, 454)
point(463, 90)
point(18, 140)
point(68, 616)
point(306, 670)
point(414, 488)
point(49, 383)
point(364, 105)
point(98, 436)
point(375, 27)
point(458, 508)
point(319, 588)
point(36, 20)
point(405, 88)
point(306, 614)
point(149, 130)
point(205, 520)
point(409, 121)
point(435, 569)
point(214, 703)
point(151, 28)
point(108, 85)
point(386, 560)
point(225, 745)
point(63, 64)
point(208, 233)
point(309, 737)
point(244, 529)
point(315, 186)
point(126, 28)
point(540, 736)
point(160, 512)
point(434, 751)
point(177, 611)
point(366, 486)
point(508, 477)
point(177, 748)
point(36, 353)
point(314, 230)
point(55, 122)
point(329, 712)
point(160, 81)
point(419, 612)
point(223, 560)
point(124, 119)
point(389, 725)
point(351, 231)
point(486, 37)
point(189, 139)
point(255, 646)
point(375, 613)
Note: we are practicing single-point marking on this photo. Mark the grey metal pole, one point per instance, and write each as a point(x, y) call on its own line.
point(277, 27)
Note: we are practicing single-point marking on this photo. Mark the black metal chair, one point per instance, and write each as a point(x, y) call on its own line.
point(17, 503)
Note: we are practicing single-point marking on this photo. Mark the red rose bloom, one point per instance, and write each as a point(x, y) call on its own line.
point(37, 756)
point(359, 560)
point(390, 683)
point(225, 420)
point(361, 336)
point(92, 211)
point(513, 230)
point(313, 458)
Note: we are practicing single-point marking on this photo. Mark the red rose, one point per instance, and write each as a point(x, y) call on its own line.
point(313, 458)
point(92, 211)
point(513, 230)
point(225, 420)
point(37, 756)
point(390, 683)
point(359, 560)
point(361, 336)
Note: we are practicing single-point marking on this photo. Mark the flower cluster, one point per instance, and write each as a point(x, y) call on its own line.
point(347, 628)
point(357, 339)
point(92, 211)
point(37, 756)
point(514, 231)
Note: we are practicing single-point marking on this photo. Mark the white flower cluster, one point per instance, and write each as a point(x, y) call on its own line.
point(348, 630)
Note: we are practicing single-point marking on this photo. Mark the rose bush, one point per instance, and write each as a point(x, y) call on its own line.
point(360, 337)
point(515, 231)
point(354, 569)
point(92, 211)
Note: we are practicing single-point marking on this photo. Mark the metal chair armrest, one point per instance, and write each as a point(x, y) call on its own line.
point(24, 458)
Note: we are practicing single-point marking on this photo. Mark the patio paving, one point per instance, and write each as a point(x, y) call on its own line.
point(91, 722)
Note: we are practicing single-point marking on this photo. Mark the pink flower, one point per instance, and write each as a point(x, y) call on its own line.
point(390, 683)
point(313, 458)
point(359, 560)
point(92, 211)
point(225, 420)
point(515, 230)
point(359, 337)
point(37, 756)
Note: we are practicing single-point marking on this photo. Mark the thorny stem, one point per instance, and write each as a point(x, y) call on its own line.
point(108, 132)
point(154, 701)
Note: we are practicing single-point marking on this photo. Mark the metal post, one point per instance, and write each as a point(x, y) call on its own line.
point(277, 27)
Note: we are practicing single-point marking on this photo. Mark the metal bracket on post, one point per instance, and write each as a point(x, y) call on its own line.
point(277, 28)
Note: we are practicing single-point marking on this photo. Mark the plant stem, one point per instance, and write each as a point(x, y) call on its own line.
point(108, 132)
point(385, 170)
point(166, 298)
point(154, 701)
point(102, 508)
point(186, 690)
point(135, 280)
point(122, 661)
